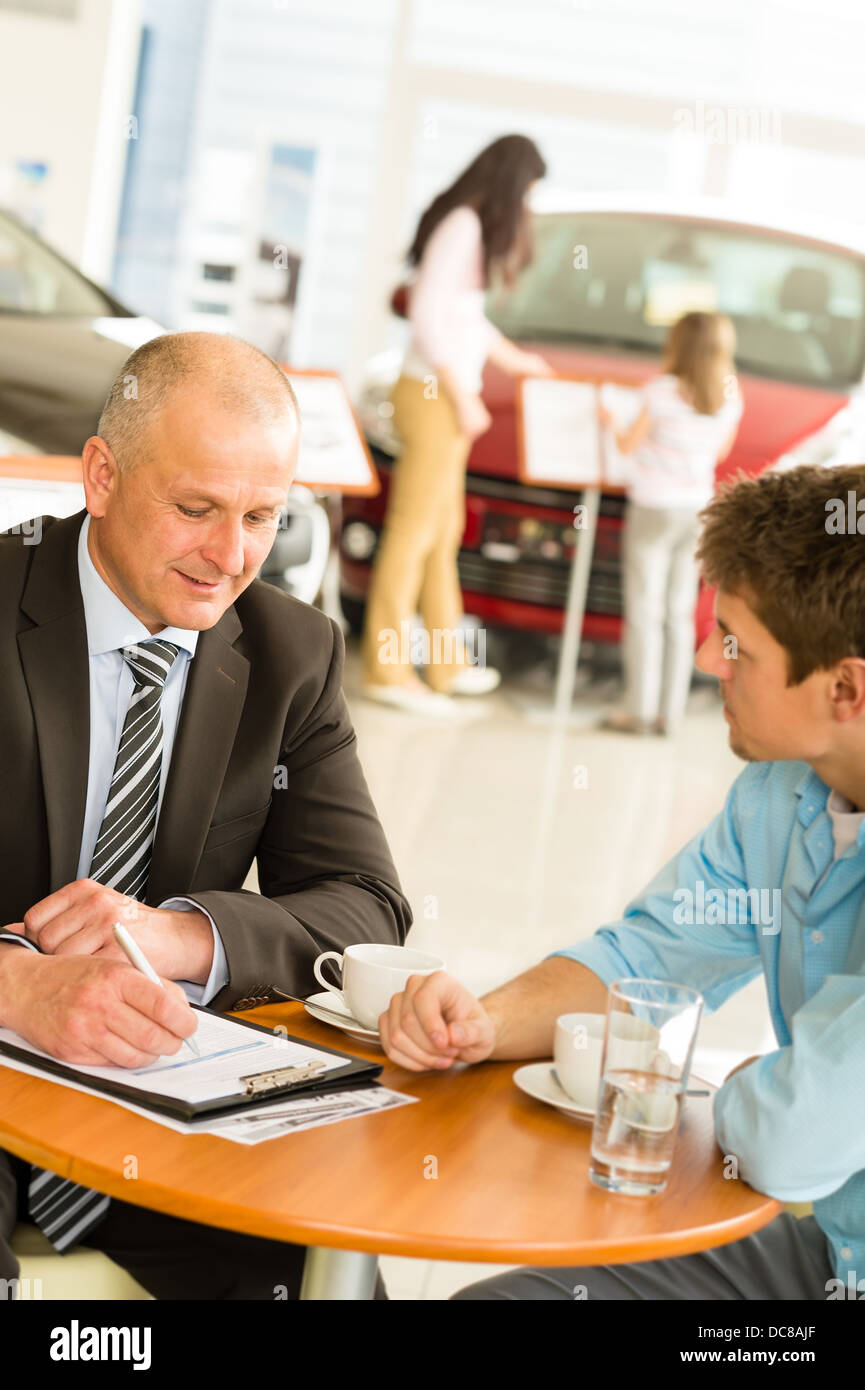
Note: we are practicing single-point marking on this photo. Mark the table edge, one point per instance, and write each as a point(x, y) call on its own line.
point(307, 1232)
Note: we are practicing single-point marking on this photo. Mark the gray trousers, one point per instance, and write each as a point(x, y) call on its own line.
point(660, 580)
point(788, 1259)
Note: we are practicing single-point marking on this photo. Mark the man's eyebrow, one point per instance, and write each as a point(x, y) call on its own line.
point(728, 633)
point(191, 495)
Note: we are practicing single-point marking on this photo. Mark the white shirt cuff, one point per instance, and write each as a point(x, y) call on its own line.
point(218, 977)
point(21, 940)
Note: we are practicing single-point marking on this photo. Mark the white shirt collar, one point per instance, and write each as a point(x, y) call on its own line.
point(110, 625)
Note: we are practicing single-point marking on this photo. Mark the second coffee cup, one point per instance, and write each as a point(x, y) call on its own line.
point(579, 1041)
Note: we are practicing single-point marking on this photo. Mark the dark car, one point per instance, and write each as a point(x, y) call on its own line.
point(607, 278)
point(63, 340)
point(62, 343)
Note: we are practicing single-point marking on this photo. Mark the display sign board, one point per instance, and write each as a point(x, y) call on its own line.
point(560, 439)
point(333, 452)
point(333, 457)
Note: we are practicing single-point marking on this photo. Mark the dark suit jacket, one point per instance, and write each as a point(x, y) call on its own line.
point(263, 693)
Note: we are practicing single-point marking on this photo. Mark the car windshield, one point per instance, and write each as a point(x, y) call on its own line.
point(33, 280)
point(620, 281)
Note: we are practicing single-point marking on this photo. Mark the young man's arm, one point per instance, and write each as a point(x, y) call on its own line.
point(666, 933)
point(793, 1117)
point(436, 1020)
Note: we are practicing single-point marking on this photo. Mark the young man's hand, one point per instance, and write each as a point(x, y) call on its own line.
point(435, 1022)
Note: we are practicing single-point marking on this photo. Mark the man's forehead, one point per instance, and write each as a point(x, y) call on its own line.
point(731, 606)
point(734, 613)
point(215, 486)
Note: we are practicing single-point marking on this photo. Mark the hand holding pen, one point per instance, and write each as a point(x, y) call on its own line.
point(136, 957)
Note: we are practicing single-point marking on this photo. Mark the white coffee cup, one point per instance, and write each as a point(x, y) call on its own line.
point(372, 975)
point(579, 1041)
point(632, 1044)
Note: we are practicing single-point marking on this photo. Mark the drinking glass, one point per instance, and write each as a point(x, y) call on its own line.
point(648, 1045)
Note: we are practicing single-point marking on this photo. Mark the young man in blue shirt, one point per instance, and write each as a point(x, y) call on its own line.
point(779, 876)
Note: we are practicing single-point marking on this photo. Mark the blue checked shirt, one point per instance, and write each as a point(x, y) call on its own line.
point(795, 1119)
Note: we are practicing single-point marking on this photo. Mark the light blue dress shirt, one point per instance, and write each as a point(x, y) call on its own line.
point(111, 626)
point(795, 1119)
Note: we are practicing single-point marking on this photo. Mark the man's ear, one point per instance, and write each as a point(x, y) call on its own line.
point(848, 689)
point(100, 473)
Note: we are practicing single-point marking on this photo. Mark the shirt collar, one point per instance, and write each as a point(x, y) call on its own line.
point(813, 794)
point(110, 625)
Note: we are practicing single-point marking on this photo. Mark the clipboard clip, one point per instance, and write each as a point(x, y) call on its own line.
point(282, 1076)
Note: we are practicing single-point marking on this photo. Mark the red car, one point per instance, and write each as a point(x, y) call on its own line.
point(605, 283)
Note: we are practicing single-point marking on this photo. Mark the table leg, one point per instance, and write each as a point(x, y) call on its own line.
point(338, 1275)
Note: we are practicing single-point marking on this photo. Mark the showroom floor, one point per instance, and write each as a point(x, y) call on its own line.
point(513, 838)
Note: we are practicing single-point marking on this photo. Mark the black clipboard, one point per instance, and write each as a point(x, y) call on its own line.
point(355, 1073)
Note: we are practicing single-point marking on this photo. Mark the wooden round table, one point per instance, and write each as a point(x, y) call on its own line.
point(476, 1171)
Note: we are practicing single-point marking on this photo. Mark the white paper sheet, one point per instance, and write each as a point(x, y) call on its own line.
point(624, 404)
point(331, 449)
point(228, 1052)
point(561, 434)
point(259, 1123)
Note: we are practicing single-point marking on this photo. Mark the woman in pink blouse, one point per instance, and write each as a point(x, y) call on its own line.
point(474, 229)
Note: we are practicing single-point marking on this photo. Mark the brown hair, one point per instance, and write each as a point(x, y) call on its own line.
point(494, 184)
point(699, 351)
point(769, 541)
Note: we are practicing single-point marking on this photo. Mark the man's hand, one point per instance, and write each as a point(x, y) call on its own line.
point(78, 920)
point(90, 1012)
point(434, 1023)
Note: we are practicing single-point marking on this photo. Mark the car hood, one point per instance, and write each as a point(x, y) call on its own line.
point(56, 372)
point(778, 415)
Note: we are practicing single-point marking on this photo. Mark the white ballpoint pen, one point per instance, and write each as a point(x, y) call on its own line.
point(136, 957)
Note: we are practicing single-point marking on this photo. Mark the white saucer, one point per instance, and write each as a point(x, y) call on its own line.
point(539, 1082)
point(325, 1007)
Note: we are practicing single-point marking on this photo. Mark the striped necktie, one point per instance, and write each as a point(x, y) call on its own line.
point(64, 1211)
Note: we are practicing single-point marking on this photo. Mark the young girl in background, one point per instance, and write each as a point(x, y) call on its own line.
point(687, 425)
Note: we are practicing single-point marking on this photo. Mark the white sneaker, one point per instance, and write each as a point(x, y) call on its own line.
point(412, 699)
point(475, 680)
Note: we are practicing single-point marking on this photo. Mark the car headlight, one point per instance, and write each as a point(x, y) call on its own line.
point(358, 540)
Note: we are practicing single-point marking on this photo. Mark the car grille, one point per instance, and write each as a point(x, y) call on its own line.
point(530, 581)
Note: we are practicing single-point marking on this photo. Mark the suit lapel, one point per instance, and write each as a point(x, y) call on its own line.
point(56, 669)
point(212, 706)
point(54, 659)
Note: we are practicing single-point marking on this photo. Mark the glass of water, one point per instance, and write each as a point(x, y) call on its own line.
point(648, 1044)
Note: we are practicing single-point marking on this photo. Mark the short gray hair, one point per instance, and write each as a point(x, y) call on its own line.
point(241, 377)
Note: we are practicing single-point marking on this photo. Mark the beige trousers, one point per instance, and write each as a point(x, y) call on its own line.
point(416, 564)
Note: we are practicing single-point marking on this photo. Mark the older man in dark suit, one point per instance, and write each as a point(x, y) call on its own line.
point(166, 719)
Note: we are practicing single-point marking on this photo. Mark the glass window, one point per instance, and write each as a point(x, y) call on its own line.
point(620, 281)
point(34, 280)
